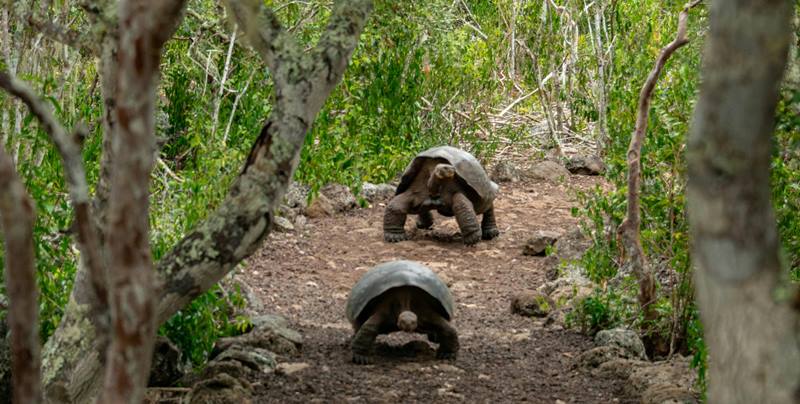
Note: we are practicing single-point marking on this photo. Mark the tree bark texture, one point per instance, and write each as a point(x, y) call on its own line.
point(629, 228)
point(752, 328)
point(144, 27)
point(303, 81)
point(17, 214)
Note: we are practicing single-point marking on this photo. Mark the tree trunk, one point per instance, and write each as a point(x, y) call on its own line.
point(303, 81)
point(16, 212)
point(752, 328)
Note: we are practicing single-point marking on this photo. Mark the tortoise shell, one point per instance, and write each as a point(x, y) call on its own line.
point(467, 167)
point(395, 274)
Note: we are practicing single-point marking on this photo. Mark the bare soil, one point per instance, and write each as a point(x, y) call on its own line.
point(306, 276)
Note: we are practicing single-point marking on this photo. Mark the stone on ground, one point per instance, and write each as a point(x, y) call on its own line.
point(321, 206)
point(531, 304)
point(586, 165)
point(538, 243)
point(505, 171)
point(282, 224)
point(340, 196)
point(377, 192)
point(626, 339)
point(548, 170)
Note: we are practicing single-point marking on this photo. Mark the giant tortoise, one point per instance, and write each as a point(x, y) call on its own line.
point(401, 296)
point(450, 181)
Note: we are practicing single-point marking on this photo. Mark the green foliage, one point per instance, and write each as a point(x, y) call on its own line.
point(207, 318)
point(786, 177)
point(595, 313)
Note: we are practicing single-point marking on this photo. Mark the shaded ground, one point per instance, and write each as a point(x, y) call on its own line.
point(306, 277)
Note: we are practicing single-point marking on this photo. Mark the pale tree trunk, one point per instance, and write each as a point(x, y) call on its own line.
point(145, 25)
point(303, 81)
point(16, 212)
point(750, 313)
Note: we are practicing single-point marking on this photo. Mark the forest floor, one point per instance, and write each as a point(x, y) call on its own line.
point(306, 276)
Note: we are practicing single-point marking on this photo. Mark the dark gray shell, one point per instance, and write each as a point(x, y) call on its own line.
point(395, 274)
point(466, 165)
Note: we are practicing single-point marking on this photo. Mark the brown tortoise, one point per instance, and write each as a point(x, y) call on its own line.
point(452, 182)
point(401, 296)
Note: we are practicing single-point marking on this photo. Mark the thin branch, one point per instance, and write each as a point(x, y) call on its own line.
point(67, 146)
point(629, 228)
point(17, 214)
point(264, 32)
point(69, 37)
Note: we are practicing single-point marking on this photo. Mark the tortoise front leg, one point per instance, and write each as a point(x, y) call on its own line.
point(424, 220)
point(447, 337)
point(467, 221)
point(488, 226)
point(364, 339)
point(394, 218)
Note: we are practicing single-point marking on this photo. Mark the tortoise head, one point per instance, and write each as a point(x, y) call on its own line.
point(407, 321)
point(444, 171)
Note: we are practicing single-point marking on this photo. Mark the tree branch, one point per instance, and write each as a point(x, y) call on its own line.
point(16, 212)
point(264, 32)
point(70, 152)
point(69, 37)
point(244, 219)
point(629, 228)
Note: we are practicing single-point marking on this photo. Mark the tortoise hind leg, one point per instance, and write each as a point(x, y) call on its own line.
point(447, 337)
point(425, 220)
point(394, 218)
point(364, 339)
point(488, 226)
point(466, 218)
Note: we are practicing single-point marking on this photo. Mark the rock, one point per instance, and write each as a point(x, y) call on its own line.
point(168, 366)
point(566, 294)
point(221, 389)
point(282, 224)
point(270, 332)
point(531, 304)
point(340, 196)
point(291, 368)
point(300, 222)
point(297, 196)
point(619, 368)
point(548, 170)
point(668, 394)
point(586, 165)
point(321, 206)
point(664, 382)
point(597, 356)
point(556, 317)
point(257, 359)
point(377, 193)
point(505, 171)
point(626, 339)
point(540, 240)
point(572, 245)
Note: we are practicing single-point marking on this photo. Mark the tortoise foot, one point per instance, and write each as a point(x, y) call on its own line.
point(394, 237)
point(445, 355)
point(472, 238)
point(433, 337)
point(490, 233)
point(359, 359)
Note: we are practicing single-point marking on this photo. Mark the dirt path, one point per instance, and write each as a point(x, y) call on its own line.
point(307, 276)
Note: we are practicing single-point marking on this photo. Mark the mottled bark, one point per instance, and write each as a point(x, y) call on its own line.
point(751, 327)
point(16, 212)
point(144, 27)
point(629, 228)
point(303, 80)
